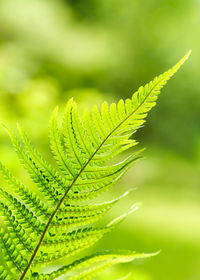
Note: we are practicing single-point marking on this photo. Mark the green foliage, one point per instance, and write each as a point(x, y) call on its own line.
point(37, 231)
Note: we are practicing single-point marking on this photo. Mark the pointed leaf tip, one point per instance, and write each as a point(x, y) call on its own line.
point(6, 128)
point(187, 55)
point(119, 219)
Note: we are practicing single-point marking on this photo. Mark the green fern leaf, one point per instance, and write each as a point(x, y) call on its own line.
point(56, 221)
point(89, 267)
point(30, 198)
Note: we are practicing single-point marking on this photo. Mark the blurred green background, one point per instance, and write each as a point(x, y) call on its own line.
point(96, 50)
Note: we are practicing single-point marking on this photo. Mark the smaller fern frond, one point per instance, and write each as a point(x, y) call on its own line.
point(97, 180)
point(76, 241)
point(67, 245)
point(88, 210)
point(30, 198)
point(89, 267)
point(37, 175)
point(56, 144)
point(72, 146)
point(52, 174)
point(78, 216)
point(16, 230)
point(12, 255)
point(26, 218)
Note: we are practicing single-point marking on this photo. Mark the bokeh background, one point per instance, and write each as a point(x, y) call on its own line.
point(96, 50)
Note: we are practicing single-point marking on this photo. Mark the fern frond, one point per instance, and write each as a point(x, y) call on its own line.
point(67, 245)
point(12, 255)
point(72, 146)
point(57, 148)
point(16, 230)
point(52, 175)
point(95, 187)
point(88, 210)
point(125, 118)
point(89, 267)
point(37, 175)
point(30, 198)
point(23, 214)
point(59, 224)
